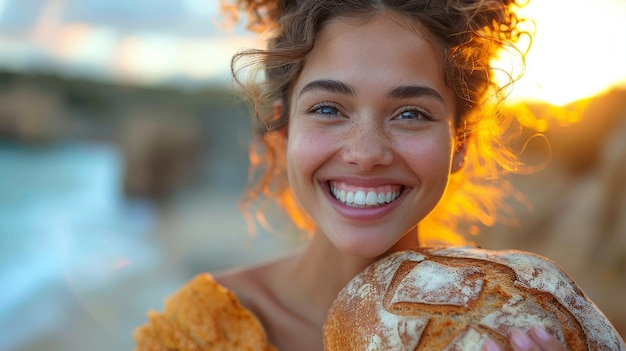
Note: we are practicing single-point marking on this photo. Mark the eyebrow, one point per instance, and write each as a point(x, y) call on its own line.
point(411, 91)
point(330, 85)
point(401, 92)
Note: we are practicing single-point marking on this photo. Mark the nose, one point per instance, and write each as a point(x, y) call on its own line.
point(367, 146)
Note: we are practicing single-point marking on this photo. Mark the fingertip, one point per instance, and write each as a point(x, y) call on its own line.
point(544, 339)
point(520, 341)
point(540, 334)
point(490, 345)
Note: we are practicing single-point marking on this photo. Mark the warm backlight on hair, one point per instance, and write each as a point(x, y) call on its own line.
point(577, 51)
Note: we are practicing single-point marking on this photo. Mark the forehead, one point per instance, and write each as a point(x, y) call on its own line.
point(382, 51)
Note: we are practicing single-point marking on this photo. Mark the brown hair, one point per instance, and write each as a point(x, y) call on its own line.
point(469, 33)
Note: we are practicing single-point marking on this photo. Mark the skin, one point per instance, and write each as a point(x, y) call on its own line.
point(374, 118)
point(389, 127)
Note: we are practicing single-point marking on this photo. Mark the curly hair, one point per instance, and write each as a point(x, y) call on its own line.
point(469, 34)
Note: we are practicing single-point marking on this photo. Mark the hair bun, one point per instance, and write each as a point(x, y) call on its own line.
point(453, 298)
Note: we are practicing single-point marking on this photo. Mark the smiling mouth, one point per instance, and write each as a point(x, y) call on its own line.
point(365, 197)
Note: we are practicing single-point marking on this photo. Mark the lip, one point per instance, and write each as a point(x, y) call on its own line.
point(364, 182)
point(368, 213)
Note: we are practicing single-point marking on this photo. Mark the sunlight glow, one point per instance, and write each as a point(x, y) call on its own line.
point(155, 59)
point(576, 52)
point(146, 59)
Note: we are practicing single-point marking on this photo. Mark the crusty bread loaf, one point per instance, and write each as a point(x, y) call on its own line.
point(202, 316)
point(453, 298)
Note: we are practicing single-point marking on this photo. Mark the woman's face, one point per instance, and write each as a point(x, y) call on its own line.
point(369, 143)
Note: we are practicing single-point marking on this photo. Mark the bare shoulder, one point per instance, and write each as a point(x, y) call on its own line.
point(252, 285)
point(267, 291)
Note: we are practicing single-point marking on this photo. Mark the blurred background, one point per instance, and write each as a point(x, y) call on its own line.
point(123, 151)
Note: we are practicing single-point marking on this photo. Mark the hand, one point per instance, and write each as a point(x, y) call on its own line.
point(536, 339)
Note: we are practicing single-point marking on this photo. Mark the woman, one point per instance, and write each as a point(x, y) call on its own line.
point(375, 117)
point(374, 105)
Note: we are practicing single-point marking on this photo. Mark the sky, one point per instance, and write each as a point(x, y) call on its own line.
point(575, 51)
point(138, 41)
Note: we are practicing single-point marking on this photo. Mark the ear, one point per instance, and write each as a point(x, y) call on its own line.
point(458, 158)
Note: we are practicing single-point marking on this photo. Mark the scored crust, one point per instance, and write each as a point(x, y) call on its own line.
point(454, 298)
point(201, 316)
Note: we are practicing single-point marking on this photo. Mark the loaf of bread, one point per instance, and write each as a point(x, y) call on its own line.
point(454, 298)
point(202, 316)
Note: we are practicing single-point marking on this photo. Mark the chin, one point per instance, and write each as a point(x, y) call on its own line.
point(363, 243)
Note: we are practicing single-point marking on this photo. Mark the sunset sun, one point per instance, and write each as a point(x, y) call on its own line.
point(575, 53)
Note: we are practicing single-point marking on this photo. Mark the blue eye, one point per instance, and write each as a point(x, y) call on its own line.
point(323, 109)
point(327, 110)
point(413, 113)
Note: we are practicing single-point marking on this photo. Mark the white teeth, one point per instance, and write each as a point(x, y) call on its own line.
point(361, 199)
point(380, 198)
point(349, 197)
point(388, 197)
point(371, 199)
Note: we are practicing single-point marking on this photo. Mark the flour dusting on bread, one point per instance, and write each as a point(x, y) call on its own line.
point(433, 283)
point(455, 298)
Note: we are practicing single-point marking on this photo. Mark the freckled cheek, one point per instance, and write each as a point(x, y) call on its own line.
point(308, 150)
point(427, 158)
